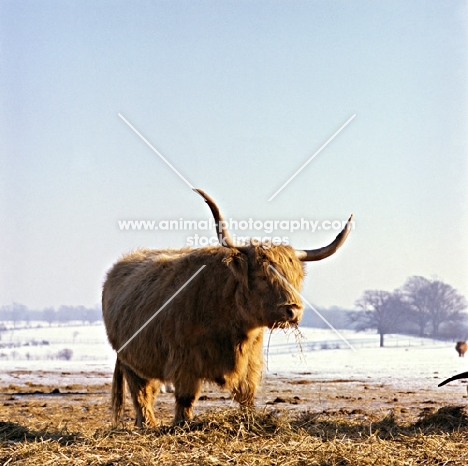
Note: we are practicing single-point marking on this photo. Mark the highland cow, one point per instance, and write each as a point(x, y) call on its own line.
point(212, 330)
point(461, 348)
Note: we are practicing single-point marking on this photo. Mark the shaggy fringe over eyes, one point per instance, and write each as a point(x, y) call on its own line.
point(284, 260)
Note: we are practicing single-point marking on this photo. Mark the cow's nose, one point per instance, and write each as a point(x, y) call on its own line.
point(291, 314)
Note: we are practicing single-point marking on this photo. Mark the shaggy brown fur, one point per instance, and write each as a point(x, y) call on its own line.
point(461, 348)
point(212, 330)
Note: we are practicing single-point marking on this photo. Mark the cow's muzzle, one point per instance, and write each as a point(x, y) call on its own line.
point(292, 313)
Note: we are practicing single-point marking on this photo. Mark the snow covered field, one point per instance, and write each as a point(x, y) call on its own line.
point(406, 362)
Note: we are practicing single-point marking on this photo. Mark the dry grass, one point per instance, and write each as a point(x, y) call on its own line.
point(232, 437)
point(354, 424)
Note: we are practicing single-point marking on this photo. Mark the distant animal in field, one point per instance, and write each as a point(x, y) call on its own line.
point(211, 330)
point(166, 388)
point(461, 348)
point(463, 375)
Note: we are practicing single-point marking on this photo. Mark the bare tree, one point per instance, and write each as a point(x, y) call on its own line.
point(433, 302)
point(380, 310)
point(15, 312)
point(446, 304)
point(93, 315)
point(415, 291)
point(49, 315)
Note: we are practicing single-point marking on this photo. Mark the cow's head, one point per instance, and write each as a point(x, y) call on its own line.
point(271, 275)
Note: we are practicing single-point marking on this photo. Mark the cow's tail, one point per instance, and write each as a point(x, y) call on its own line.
point(118, 388)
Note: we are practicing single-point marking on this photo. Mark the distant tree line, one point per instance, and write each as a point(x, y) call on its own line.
point(17, 313)
point(336, 316)
point(422, 306)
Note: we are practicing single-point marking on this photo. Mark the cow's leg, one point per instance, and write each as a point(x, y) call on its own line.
point(143, 392)
point(187, 390)
point(244, 390)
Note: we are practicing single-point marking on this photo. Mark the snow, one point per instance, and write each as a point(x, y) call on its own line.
point(406, 362)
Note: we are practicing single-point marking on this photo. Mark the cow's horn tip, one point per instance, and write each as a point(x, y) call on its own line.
point(198, 191)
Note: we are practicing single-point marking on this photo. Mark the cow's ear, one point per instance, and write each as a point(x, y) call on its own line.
point(239, 266)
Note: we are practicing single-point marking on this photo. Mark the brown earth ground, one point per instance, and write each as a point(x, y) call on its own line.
point(298, 420)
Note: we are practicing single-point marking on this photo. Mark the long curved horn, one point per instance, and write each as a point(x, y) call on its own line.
point(221, 230)
point(463, 375)
point(322, 253)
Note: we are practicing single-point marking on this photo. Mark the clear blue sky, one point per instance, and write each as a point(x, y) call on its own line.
point(237, 96)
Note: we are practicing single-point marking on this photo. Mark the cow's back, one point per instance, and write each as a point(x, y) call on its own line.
point(190, 331)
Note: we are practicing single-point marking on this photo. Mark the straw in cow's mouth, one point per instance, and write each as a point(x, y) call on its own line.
point(287, 328)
